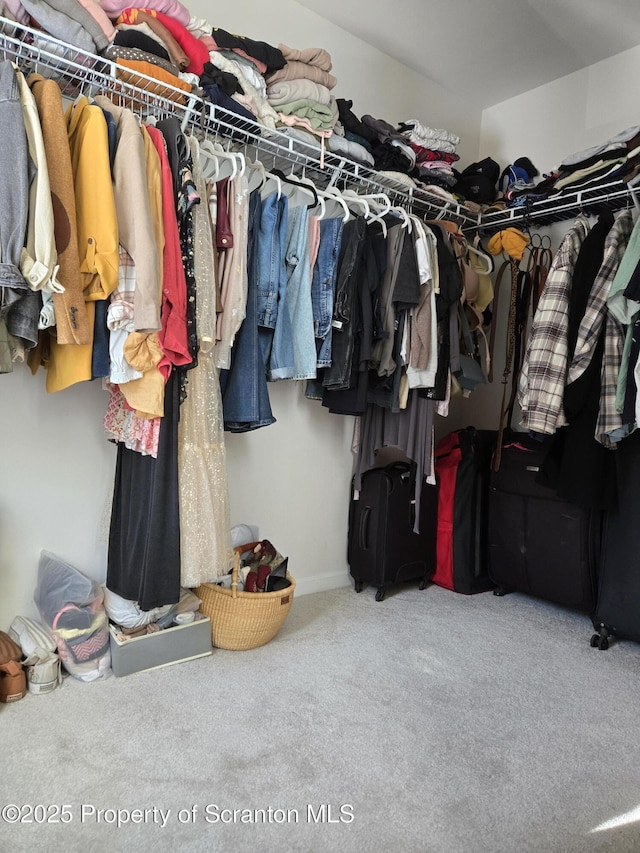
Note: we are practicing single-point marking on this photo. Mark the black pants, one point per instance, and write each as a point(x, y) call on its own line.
point(144, 540)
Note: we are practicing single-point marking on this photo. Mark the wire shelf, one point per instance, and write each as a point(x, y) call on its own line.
point(560, 207)
point(80, 73)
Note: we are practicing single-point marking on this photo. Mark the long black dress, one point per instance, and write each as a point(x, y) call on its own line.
point(144, 539)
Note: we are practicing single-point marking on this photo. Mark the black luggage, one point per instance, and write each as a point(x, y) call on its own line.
point(462, 462)
point(617, 612)
point(382, 549)
point(540, 544)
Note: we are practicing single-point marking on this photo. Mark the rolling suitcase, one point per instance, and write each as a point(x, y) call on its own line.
point(462, 462)
point(383, 550)
point(540, 544)
point(617, 612)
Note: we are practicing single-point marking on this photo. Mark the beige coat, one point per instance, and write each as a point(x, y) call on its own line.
point(72, 324)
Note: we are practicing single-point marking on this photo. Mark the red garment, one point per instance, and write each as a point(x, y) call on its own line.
point(425, 154)
point(193, 47)
point(173, 336)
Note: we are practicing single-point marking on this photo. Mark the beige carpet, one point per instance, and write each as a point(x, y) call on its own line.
point(427, 722)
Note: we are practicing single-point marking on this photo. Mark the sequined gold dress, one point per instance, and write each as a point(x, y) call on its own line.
point(202, 469)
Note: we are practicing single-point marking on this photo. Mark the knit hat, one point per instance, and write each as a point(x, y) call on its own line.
point(520, 173)
point(527, 165)
point(510, 240)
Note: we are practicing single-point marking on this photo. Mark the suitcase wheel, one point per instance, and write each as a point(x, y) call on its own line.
point(501, 591)
point(422, 584)
point(358, 585)
point(380, 594)
point(600, 640)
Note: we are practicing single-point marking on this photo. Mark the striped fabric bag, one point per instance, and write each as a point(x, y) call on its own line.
point(82, 634)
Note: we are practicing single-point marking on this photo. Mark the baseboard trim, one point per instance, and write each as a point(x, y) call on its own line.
point(322, 583)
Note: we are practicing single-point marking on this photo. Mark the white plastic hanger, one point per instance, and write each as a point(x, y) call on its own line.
point(272, 184)
point(486, 259)
point(299, 192)
point(242, 161)
point(352, 198)
point(380, 204)
point(210, 167)
point(379, 217)
point(403, 215)
point(332, 195)
point(323, 207)
point(257, 174)
point(379, 200)
point(228, 162)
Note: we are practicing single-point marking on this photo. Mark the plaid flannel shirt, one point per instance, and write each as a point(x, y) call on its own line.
point(591, 326)
point(544, 370)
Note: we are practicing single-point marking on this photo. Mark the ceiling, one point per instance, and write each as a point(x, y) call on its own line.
point(490, 50)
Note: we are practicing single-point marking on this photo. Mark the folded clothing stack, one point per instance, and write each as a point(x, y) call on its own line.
point(84, 25)
point(235, 73)
point(351, 137)
point(156, 43)
point(300, 92)
point(435, 153)
point(391, 151)
point(616, 160)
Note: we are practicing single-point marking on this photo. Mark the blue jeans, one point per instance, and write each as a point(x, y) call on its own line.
point(270, 266)
point(245, 396)
point(293, 354)
point(323, 286)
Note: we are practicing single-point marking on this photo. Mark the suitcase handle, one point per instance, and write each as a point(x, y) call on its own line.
point(363, 532)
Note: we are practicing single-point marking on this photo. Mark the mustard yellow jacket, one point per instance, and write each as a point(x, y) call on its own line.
point(97, 229)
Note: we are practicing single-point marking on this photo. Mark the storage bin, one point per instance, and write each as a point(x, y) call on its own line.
point(162, 648)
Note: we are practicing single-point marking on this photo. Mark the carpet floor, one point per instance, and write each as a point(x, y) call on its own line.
point(428, 722)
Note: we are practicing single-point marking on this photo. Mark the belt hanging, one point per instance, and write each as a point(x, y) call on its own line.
point(492, 332)
point(511, 342)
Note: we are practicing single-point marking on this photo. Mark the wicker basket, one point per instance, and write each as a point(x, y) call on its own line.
point(244, 620)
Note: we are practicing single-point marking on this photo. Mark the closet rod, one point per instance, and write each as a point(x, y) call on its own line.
point(79, 72)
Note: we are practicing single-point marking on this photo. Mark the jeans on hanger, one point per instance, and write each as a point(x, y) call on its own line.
point(270, 266)
point(323, 286)
point(293, 353)
point(245, 396)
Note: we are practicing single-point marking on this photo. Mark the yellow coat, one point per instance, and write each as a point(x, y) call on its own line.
point(97, 233)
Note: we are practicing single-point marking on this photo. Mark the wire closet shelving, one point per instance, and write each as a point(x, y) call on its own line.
point(78, 72)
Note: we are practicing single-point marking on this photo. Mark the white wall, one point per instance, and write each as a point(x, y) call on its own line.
point(56, 476)
point(376, 83)
point(572, 113)
point(548, 124)
point(292, 478)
